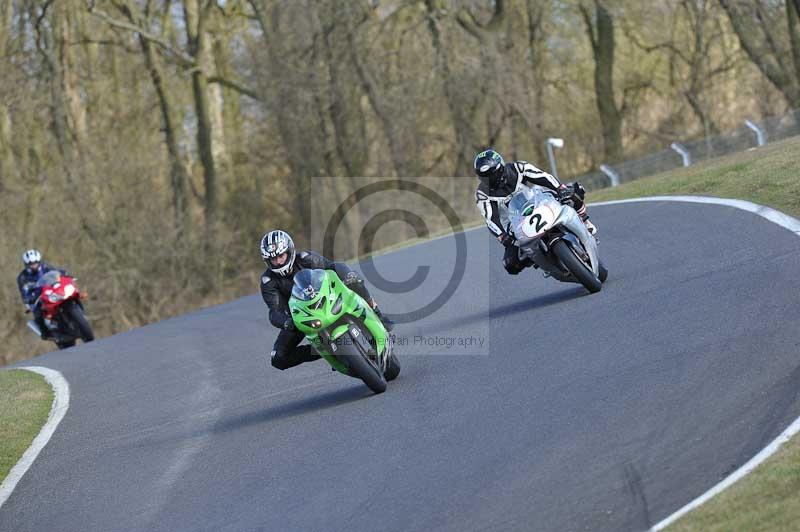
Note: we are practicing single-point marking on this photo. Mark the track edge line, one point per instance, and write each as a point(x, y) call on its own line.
point(58, 409)
point(788, 222)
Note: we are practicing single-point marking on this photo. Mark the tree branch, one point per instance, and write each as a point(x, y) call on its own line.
point(183, 58)
point(634, 90)
point(649, 48)
point(467, 21)
point(103, 42)
point(587, 19)
point(766, 29)
point(235, 86)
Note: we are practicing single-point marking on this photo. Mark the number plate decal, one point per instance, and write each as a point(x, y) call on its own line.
point(538, 222)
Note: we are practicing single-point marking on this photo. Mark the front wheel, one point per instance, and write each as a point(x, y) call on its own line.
point(392, 368)
point(79, 321)
point(361, 365)
point(576, 266)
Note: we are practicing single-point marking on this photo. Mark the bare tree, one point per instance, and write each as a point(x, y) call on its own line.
point(178, 175)
point(757, 24)
point(467, 105)
point(600, 29)
point(697, 50)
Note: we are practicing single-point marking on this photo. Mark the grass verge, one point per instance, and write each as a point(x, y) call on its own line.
point(767, 498)
point(25, 400)
point(769, 175)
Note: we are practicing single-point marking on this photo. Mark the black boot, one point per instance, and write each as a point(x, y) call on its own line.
point(527, 262)
point(44, 330)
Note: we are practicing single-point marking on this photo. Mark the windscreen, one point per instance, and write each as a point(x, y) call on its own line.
point(50, 278)
point(521, 200)
point(307, 284)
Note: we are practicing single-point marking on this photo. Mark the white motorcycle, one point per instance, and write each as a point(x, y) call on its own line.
point(553, 237)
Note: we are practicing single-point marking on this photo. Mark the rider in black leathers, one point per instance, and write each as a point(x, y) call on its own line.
point(283, 262)
point(499, 180)
point(26, 282)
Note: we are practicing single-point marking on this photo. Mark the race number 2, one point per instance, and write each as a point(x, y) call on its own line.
point(540, 224)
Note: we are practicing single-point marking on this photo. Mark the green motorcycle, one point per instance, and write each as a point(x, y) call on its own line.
point(343, 328)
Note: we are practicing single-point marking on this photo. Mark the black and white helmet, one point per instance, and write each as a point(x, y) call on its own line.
point(489, 166)
point(273, 245)
point(31, 256)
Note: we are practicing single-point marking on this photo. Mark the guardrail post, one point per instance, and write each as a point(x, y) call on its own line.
point(684, 153)
point(611, 173)
point(761, 137)
point(558, 143)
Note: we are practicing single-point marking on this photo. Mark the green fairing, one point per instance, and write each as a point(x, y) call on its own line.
point(304, 310)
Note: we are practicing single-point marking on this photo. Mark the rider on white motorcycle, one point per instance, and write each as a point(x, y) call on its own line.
point(498, 182)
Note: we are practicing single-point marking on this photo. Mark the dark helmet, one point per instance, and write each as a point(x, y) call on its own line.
point(273, 245)
point(489, 167)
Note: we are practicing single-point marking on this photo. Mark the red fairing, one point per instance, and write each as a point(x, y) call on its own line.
point(56, 294)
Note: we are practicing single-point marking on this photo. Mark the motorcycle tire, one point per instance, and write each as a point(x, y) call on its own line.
point(79, 321)
point(361, 366)
point(392, 369)
point(576, 266)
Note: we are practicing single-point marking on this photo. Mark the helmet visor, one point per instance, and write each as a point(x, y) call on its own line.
point(493, 176)
point(279, 261)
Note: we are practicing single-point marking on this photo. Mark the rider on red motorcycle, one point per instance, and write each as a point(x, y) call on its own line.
point(26, 281)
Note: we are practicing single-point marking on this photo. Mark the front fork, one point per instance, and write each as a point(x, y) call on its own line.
point(328, 348)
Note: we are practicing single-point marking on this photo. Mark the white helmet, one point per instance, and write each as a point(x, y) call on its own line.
point(274, 244)
point(31, 256)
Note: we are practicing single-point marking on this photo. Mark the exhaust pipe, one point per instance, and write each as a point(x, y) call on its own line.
point(35, 328)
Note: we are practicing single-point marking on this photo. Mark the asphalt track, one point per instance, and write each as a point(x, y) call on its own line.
point(579, 412)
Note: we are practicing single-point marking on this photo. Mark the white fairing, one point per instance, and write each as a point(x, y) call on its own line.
point(533, 212)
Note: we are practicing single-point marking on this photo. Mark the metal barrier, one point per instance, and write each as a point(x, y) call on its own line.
point(750, 135)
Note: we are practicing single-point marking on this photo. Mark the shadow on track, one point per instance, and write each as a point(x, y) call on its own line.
point(531, 304)
point(299, 407)
point(498, 312)
point(261, 416)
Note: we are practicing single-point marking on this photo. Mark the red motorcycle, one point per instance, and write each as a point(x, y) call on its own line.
point(62, 309)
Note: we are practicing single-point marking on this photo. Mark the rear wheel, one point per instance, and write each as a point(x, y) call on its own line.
point(361, 365)
point(80, 323)
point(576, 266)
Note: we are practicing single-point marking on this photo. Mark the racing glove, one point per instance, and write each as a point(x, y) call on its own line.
point(507, 239)
point(565, 193)
point(579, 190)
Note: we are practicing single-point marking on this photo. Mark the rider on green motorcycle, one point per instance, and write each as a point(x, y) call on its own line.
point(283, 262)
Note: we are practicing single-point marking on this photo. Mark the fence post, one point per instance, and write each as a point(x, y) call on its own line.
point(761, 137)
point(612, 175)
point(558, 143)
point(687, 158)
